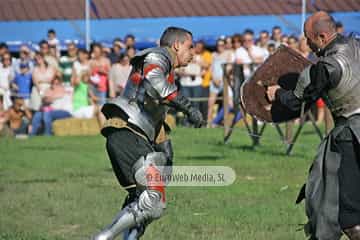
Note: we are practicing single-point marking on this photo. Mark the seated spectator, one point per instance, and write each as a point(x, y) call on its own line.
point(119, 74)
point(19, 117)
point(57, 104)
point(22, 83)
point(4, 129)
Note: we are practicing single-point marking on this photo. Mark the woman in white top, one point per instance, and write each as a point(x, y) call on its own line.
point(119, 74)
point(220, 57)
point(42, 76)
point(6, 76)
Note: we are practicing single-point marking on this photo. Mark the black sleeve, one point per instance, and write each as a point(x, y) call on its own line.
point(323, 75)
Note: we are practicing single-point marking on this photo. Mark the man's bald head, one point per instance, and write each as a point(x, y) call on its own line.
point(320, 22)
point(320, 29)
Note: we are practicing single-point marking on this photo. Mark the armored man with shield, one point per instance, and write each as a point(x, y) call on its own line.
point(136, 132)
point(332, 191)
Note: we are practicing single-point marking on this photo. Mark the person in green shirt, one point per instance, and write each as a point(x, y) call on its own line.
point(83, 100)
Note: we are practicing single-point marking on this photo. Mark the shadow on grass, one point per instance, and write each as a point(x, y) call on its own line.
point(204, 157)
point(46, 148)
point(265, 150)
point(35, 180)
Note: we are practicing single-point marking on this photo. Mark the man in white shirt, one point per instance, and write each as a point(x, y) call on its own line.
point(249, 54)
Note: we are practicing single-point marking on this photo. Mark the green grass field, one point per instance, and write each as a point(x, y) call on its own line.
point(64, 188)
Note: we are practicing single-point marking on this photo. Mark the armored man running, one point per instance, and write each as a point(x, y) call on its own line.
point(136, 132)
point(332, 192)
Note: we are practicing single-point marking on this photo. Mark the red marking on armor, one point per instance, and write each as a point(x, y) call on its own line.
point(149, 68)
point(136, 78)
point(172, 96)
point(154, 181)
point(170, 78)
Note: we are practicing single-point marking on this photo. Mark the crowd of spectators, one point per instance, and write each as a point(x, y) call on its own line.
point(39, 87)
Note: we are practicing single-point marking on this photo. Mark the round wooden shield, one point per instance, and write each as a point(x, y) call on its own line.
point(281, 68)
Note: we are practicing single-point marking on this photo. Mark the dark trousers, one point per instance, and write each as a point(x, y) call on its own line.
point(124, 148)
point(204, 104)
point(349, 178)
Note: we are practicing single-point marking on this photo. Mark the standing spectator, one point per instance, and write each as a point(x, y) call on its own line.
point(293, 43)
point(249, 54)
point(190, 78)
point(131, 51)
point(284, 40)
point(83, 100)
point(3, 49)
point(229, 49)
point(80, 80)
point(6, 77)
point(129, 41)
point(53, 41)
point(271, 48)
point(219, 118)
point(339, 27)
point(66, 63)
point(229, 43)
point(206, 60)
point(116, 50)
point(119, 74)
point(22, 83)
point(56, 104)
point(19, 116)
point(42, 76)
point(263, 41)
point(304, 48)
point(237, 40)
point(45, 51)
point(219, 58)
point(99, 68)
point(24, 58)
point(276, 36)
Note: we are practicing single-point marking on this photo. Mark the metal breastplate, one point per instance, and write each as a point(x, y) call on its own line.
point(345, 97)
point(140, 104)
